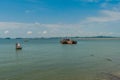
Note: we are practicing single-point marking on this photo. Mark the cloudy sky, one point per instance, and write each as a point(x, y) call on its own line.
point(52, 18)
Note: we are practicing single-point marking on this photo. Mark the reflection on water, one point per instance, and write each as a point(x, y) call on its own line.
point(19, 54)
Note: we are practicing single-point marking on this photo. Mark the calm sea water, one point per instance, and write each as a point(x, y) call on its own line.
point(47, 59)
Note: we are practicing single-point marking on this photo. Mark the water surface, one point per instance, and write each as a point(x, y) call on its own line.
point(47, 59)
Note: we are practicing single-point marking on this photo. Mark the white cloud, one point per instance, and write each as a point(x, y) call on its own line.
point(37, 23)
point(105, 33)
point(44, 32)
point(27, 29)
point(106, 16)
point(29, 32)
point(84, 33)
point(39, 29)
point(6, 32)
point(108, 4)
point(14, 25)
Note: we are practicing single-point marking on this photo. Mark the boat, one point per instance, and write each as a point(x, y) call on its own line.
point(68, 41)
point(18, 46)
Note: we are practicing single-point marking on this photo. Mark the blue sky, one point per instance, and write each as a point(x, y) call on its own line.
point(52, 18)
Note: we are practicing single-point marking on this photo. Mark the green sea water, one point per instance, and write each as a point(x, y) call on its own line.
point(47, 59)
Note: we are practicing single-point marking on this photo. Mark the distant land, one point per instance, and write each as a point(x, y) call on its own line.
point(98, 38)
point(64, 37)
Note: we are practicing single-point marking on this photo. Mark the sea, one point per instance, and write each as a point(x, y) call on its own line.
point(48, 59)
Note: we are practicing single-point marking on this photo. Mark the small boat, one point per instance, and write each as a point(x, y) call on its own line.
point(68, 41)
point(18, 46)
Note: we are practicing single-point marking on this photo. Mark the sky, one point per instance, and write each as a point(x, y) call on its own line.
point(59, 18)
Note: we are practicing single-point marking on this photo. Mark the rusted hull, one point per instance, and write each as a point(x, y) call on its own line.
point(68, 42)
point(19, 48)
